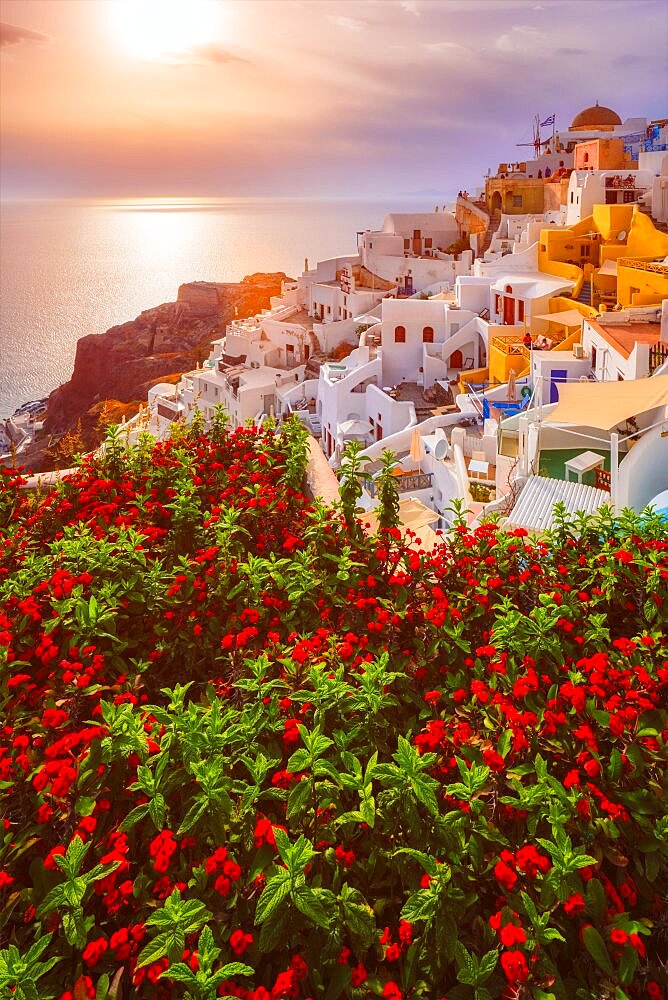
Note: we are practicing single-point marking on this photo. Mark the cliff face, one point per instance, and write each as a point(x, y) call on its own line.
point(125, 361)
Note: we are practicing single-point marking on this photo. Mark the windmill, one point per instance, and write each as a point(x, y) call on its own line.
point(537, 142)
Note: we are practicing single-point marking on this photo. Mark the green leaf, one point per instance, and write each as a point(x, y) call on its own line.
point(595, 945)
point(180, 973)
point(237, 969)
point(487, 965)
point(505, 739)
point(596, 900)
point(628, 964)
point(307, 901)
point(275, 891)
point(153, 951)
point(298, 798)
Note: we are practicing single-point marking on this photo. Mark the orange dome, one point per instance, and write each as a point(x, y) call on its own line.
point(594, 118)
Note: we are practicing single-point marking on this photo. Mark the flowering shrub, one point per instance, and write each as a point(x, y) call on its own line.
point(249, 752)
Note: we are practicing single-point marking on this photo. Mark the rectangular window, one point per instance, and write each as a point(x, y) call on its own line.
point(427, 243)
point(407, 244)
point(517, 201)
point(520, 311)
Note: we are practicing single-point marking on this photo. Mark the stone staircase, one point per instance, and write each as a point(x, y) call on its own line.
point(494, 224)
point(661, 226)
point(585, 293)
point(312, 369)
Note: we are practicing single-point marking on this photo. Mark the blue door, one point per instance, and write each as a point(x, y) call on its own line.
point(557, 375)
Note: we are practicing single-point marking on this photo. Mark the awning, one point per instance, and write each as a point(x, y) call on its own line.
point(567, 317)
point(534, 509)
point(413, 514)
point(609, 267)
point(354, 428)
point(604, 405)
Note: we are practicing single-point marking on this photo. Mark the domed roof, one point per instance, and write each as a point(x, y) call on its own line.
point(596, 117)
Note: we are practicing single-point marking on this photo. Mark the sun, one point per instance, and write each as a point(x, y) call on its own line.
point(152, 29)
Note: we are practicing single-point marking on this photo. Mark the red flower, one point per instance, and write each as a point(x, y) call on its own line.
point(504, 875)
point(358, 975)
point(574, 904)
point(511, 935)
point(392, 992)
point(94, 951)
point(239, 941)
point(514, 966)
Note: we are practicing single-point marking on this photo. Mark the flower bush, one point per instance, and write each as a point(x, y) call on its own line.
point(248, 751)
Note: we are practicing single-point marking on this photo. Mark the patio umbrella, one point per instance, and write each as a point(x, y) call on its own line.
point(512, 388)
point(417, 448)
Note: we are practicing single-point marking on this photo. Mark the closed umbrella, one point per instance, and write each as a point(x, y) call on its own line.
point(417, 448)
point(512, 387)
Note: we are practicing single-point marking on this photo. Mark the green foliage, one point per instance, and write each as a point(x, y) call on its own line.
point(246, 747)
point(388, 494)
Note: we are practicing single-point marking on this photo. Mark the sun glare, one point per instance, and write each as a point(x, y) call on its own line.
point(152, 29)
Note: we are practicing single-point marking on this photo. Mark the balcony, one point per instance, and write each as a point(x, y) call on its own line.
point(655, 266)
point(407, 482)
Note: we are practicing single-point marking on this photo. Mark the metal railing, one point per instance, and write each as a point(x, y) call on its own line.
point(407, 481)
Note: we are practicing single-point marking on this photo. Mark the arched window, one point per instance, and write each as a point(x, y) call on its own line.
point(428, 335)
point(400, 335)
point(509, 289)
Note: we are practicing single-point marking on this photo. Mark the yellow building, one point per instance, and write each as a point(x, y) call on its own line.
point(514, 195)
point(590, 254)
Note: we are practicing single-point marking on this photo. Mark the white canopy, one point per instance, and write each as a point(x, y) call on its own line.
point(604, 405)
point(354, 428)
point(534, 509)
point(413, 514)
point(609, 267)
point(567, 317)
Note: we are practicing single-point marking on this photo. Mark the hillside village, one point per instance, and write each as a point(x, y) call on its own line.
point(511, 354)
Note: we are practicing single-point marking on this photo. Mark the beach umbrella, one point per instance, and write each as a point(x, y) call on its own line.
point(417, 448)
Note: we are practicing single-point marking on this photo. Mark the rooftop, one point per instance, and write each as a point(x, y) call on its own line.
point(427, 402)
point(624, 337)
point(595, 117)
point(534, 509)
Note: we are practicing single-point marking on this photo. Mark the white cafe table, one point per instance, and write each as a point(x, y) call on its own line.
point(584, 462)
point(478, 466)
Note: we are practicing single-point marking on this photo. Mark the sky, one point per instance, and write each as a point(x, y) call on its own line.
point(219, 98)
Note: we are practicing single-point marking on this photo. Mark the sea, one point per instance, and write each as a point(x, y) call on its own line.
point(70, 268)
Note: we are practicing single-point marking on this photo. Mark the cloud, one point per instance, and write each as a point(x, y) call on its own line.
point(570, 52)
point(440, 47)
point(208, 52)
point(523, 38)
point(349, 23)
point(13, 34)
point(410, 7)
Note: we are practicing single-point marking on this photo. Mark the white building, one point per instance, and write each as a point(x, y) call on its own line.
point(423, 340)
point(656, 163)
point(587, 188)
point(410, 250)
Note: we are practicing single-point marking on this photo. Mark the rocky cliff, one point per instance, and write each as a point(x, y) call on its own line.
point(160, 343)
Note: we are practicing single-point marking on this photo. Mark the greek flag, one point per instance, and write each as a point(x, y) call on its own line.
point(548, 121)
